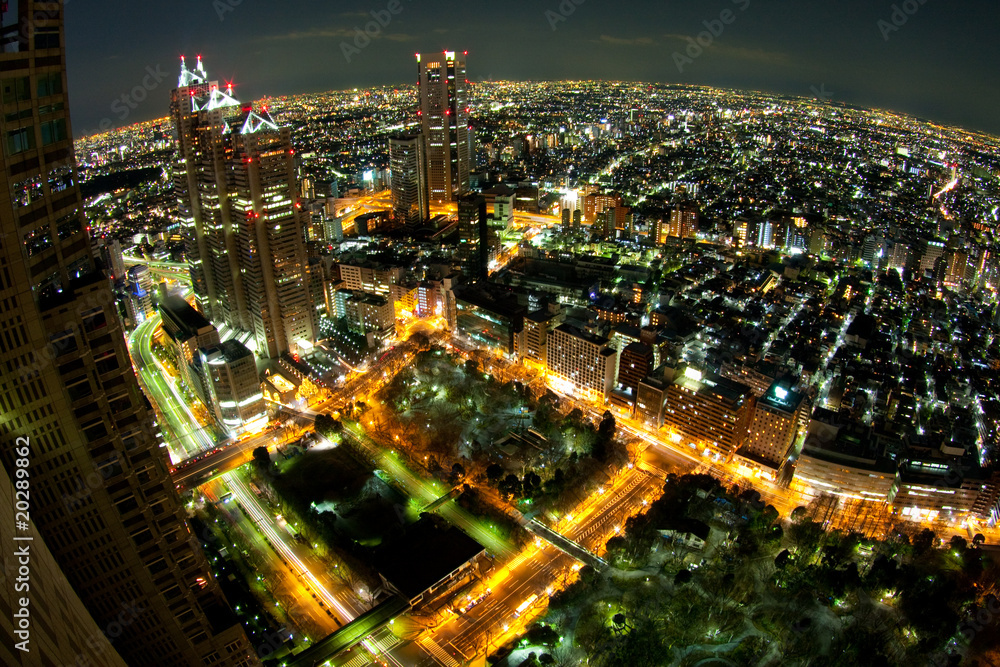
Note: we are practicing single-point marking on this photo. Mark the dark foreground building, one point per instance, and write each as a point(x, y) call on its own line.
point(100, 495)
point(427, 560)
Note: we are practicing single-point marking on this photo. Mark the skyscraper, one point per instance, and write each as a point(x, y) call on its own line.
point(101, 497)
point(271, 242)
point(60, 631)
point(408, 167)
point(474, 235)
point(199, 110)
point(444, 120)
point(243, 226)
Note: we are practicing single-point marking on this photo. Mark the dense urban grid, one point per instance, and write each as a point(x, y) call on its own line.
point(512, 373)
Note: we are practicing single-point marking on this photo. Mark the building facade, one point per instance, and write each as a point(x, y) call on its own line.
point(232, 385)
point(238, 205)
point(710, 413)
point(408, 180)
point(582, 359)
point(444, 121)
point(777, 418)
point(69, 388)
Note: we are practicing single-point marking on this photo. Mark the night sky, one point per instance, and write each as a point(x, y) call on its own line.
point(942, 63)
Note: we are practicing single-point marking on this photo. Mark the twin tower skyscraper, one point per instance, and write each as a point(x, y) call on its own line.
point(243, 228)
point(235, 182)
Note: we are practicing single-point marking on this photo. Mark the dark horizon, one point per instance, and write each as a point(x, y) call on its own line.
point(860, 53)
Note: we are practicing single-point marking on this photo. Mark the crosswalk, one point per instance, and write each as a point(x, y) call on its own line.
point(384, 644)
point(609, 513)
point(438, 653)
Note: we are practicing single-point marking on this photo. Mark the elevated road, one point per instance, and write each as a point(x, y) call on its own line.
point(351, 634)
point(185, 436)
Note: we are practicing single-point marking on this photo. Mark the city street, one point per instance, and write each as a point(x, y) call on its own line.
point(184, 436)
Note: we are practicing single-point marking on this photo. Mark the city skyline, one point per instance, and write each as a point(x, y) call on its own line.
point(844, 53)
point(537, 373)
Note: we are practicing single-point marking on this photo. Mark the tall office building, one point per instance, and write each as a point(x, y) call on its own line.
point(243, 226)
point(232, 386)
point(60, 630)
point(139, 303)
point(68, 387)
point(408, 167)
point(273, 261)
point(474, 234)
point(444, 120)
point(199, 109)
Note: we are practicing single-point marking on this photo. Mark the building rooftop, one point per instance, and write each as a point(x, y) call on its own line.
point(583, 335)
point(780, 397)
point(715, 385)
point(187, 321)
point(234, 350)
point(424, 554)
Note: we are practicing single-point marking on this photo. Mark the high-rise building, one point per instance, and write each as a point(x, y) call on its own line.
point(243, 226)
point(503, 208)
point(68, 388)
point(408, 167)
point(709, 412)
point(140, 294)
point(930, 253)
point(273, 261)
point(956, 268)
point(596, 202)
point(635, 364)
point(582, 359)
point(534, 338)
point(58, 629)
point(114, 260)
point(444, 120)
point(232, 386)
point(474, 234)
point(187, 331)
point(778, 416)
point(364, 312)
point(765, 235)
point(199, 110)
point(744, 232)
